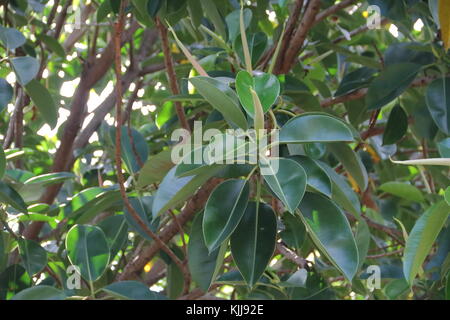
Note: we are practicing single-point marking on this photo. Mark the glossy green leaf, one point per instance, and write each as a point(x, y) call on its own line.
point(10, 196)
point(41, 292)
point(267, 88)
point(34, 257)
point(355, 80)
point(132, 290)
point(362, 238)
point(223, 211)
point(402, 190)
point(313, 127)
point(211, 11)
point(341, 191)
point(421, 238)
point(6, 93)
point(204, 264)
point(438, 102)
point(257, 43)
point(396, 126)
point(286, 178)
point(88, 250)
point(331, 232)
point(351, 162)
point(173, 190)
point(43, 101)
point(318, 179)
point(294, 232)
point(391, 83)
point(253, 241)
point(50, 178)
point(11, 38)
point(26, 69)
point(222, 98)
point(12, 280)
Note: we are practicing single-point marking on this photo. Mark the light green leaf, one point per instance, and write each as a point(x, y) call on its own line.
point(402, 190)
point(11, 38)
point(422, 237)
point(43, 101)
point(266, 86)
point(222, 98)
point(88, 250)
point(26, 69)
point(155, 168)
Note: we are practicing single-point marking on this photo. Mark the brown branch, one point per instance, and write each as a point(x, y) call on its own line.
point(333, 9)
point(386, 254)
point(118, 157)
point(172, 76)
point(299, 36)
point(291, 255)
point(195, 204)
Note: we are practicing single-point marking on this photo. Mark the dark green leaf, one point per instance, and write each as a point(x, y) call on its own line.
point(40, 292)
point(6, 93)
point(34, 257)
point(253, 241)
point(10, 196)
point(132, 290)
point(438, 102)
point(396, 126)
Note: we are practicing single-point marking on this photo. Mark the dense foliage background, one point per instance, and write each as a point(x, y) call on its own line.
point(357, 210)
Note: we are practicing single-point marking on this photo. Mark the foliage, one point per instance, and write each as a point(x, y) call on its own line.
point(309, 223)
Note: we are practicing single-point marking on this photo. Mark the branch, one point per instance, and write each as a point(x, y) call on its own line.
point(172, 76)
point(291, 255)
point(300, 35)
point(333, 9)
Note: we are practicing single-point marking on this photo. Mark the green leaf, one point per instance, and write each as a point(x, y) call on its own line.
point(223, 211)
point(351, 162)
point(444, 148)
point(204, 264)
point(12, 280)
point(25, 68)
point(132, 290)
point(318, 179)
point(447, 195)
point(50, 178)
point(2, 162)
point(253, 241)
point(173, 190)
point(438, 102)
point(232, 21)
point(115, 229)
point(155, 168)
point(313, 127)
point(362, 238)
point(294, 232)
point(222, 98)
point(153, 7)
point(211, 11)
point(11, 38)
point(10, 196)
point(52, 44)
point(43, 101)
point(286, 178)
point(403, 190)
point(87, 249)
point(396, 127)
point(331, 232)
point(130, 156)
point(342, 193)
point(142, 206)
point(355, 80)
point(396, 288)
point(422, 237)
point(391, 83)
point(257, 43)
point(34, 257)
point(267, 88)
point(40, 292)
point(6, 93)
